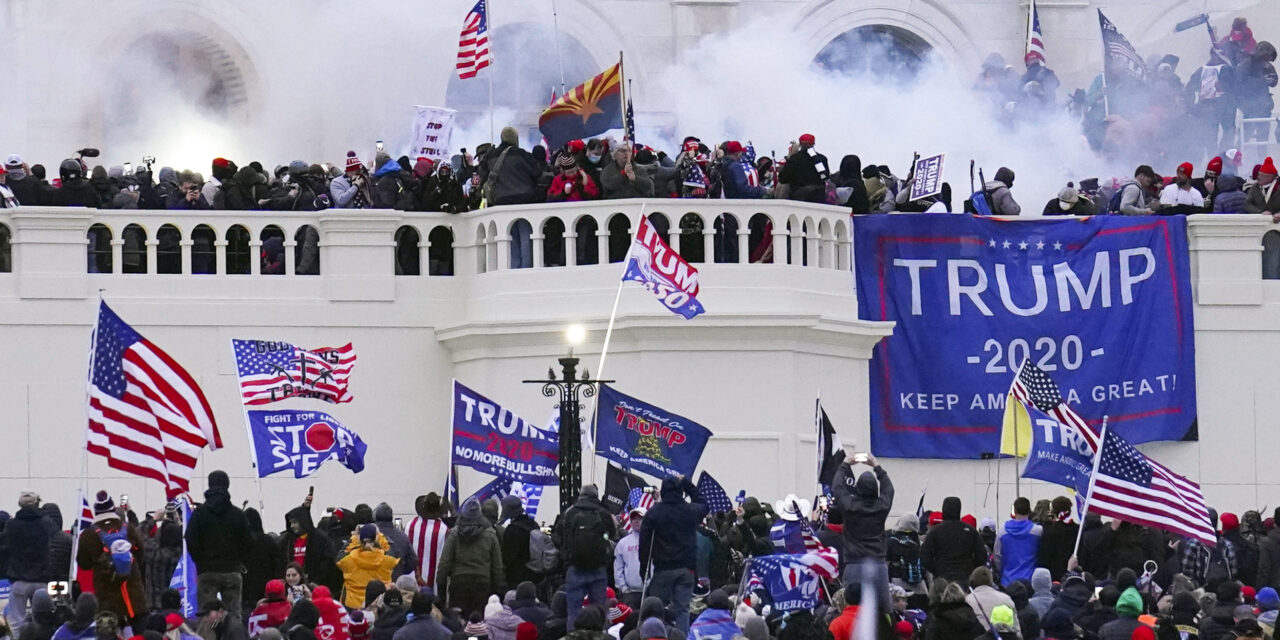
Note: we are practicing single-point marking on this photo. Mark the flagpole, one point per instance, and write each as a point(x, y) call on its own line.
point(1106, 104)
point(622, 88)
point(84, 457)
point(1084, 511)
point(248, 429)
point(1031, 13)
point(555, 21)
point(489, 22)
point(604, 353)
point(1017, 453)
point(817, 430)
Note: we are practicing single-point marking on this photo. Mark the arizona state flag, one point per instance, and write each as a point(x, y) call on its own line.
point(588, 109)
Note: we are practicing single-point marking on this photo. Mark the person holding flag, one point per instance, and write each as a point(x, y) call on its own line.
point(741, 181)
point(112, 550)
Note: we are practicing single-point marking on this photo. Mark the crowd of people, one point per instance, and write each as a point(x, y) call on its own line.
point(488, 571)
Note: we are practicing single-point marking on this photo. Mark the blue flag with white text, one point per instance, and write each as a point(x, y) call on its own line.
point(788, 581)
point(492, 439)
point(301, 441)
point(1102, 303)
point(1058, 454)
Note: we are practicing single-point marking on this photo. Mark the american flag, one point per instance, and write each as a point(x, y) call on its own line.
point(1033, 386)
point(824, 560)
point(695, 178)
point(781, 575)
point(1120, 54)
point(1163, 500)
point(473, 43)
point(427, 538)
point(1035, 39)
point(86, 513)
point(638, 499)
point(497, 488)
point(271, 371)
point(1131, 487)
point(749, 164)
point(147, 415)
point(713, 494)
point(631, 122)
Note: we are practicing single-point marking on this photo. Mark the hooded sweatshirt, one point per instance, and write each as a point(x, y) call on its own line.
point(359, 567)
point(1017, 548)
point(1129, 607)
point(471, 549)
point(1042, 587)
point(952, 548)
point(864, 504)
point(218, 533)
point(384, 518)
point(669, 535)
point(80, 626)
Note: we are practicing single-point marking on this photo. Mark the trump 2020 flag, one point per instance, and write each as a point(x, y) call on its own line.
point(184, 575)
point(271, 371)
point(790, 584)
point(662, 272)
point(647, 438)
point(492, 439)
point(301, 441)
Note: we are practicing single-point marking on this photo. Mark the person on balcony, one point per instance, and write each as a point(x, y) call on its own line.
point(509, 174)
point(188, 195)
point(351, 189)
point(741, 180)
point(572, 184)
point(624, 178)
point(593, 158)
point(1263, 197)
point(805, 174)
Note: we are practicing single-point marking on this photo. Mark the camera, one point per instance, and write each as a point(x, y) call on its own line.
point(860, 458)
point(400, 523)
point(56, 589)
point(378, 145)
point(148, 160)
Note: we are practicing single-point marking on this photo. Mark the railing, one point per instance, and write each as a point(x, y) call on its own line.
point(493, 239)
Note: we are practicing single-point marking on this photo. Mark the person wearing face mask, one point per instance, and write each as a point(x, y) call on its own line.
point(593, 158)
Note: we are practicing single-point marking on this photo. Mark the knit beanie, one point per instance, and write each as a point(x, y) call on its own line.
point(353, 162)
point(104, 508)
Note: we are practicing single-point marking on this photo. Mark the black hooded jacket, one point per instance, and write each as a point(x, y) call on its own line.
point(218, 534)
point(864, 507)
point(321, 554)
point(263, 561)
point(669, 535)
point(27, 537)
point(850, 175)
point(952, 549)
point(59, 542)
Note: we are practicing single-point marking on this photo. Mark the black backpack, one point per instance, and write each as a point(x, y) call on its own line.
point(588, 541)
point(1218, 569)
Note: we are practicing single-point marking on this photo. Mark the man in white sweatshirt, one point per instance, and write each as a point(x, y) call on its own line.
point(626, 563)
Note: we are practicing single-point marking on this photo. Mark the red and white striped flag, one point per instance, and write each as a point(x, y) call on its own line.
point(1035, 39)
point(824, 560)
point(473, 42)
point(147, 415)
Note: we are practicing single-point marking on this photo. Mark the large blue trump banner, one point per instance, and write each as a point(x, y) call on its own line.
point(1102, 303)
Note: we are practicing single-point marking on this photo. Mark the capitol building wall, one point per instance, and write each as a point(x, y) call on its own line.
point(774, 336)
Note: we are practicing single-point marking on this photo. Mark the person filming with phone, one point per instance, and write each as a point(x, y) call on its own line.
point(864, 503)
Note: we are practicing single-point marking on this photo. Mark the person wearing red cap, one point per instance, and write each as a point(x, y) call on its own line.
point(271, 611)
point(1264, 198)
point(1179, 197)
point(805, 174)
point(741, 179)
point(222, 171)
point(1207, 184)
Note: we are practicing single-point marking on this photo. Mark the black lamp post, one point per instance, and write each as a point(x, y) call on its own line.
point(569, 386)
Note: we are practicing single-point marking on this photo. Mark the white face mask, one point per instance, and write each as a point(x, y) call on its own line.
point(284, 179)
point(593, 158)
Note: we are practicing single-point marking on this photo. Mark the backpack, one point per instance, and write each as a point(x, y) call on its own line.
point(1218, 570)
point(116, 543)
point(487, 189)
point(544, 557)
point(904, 559)
point(588, 540)
point(1113, 203)
point(979, 204)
